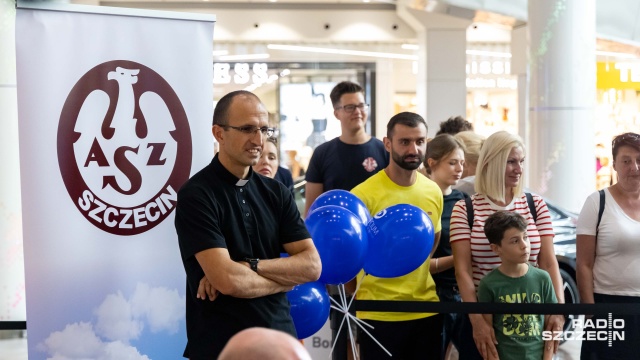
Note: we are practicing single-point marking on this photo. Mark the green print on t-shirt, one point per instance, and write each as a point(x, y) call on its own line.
point(518, 324)
point(520, 298)
point(521, 325)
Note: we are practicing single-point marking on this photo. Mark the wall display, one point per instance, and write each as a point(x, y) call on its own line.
point(492, 111)
point(617, 112)
point(306, 121)
point(111, 125)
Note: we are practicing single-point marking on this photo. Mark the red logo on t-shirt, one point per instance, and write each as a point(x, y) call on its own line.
point(370, 164)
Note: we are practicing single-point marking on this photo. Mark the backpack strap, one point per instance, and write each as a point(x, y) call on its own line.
point(600, 211)
point(530, 202)
point(469, 204)
point(532, 206)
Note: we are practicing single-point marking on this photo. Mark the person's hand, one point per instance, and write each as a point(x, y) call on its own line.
point(547, 353)
point(206, 290)
point(485, 338)
point(555, 323)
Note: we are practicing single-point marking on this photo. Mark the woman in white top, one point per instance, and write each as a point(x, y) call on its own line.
point(608, 254)
point(498, 186)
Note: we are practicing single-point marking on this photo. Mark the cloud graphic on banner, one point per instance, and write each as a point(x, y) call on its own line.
point(79, 341)
point(115, 319)
point(118, 321)
point(163, 308)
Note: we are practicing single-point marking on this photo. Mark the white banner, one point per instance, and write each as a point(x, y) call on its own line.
point(115, 109)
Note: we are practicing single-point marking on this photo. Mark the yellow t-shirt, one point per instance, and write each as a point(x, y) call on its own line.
point(378, 193)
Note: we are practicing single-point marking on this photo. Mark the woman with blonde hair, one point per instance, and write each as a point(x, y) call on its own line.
point(473, 143)
point(498, 186)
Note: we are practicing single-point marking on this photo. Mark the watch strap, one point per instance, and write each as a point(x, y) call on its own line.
point(253, 263)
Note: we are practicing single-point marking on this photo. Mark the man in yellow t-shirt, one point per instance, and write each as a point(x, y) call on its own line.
point(405, 335)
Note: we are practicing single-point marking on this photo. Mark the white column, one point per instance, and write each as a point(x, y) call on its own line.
point(12, 300)
point(384, 92)
point(446, 76)
point(562, 99)
point(441, 90)
point(520, 69)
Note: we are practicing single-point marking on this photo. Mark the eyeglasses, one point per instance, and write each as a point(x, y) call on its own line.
point(352, 107)
point(252, 130)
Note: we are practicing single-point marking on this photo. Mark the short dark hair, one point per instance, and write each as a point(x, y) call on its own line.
point(627, 139)
point(405, 118)
point(439, 147)
point(454, 125)
point(221, 112)
point(344, 87)
point(501, 221)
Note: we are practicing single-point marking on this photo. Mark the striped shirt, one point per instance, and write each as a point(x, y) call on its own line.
point(483, 259)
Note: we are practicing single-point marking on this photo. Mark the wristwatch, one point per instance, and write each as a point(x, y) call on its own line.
point(253, 263)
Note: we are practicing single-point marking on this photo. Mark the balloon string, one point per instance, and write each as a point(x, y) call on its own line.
point(372, 338)
point(358, 283)
point(343, 307)
point(348, 316)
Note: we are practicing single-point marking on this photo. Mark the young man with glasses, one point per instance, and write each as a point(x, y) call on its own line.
point(351, 158)
point(343, 163)
point(231, 225)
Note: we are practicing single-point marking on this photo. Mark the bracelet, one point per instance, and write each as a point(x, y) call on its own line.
point(437, 265)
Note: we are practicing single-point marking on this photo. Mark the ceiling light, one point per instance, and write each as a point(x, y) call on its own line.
point(410, 46)
point(243, 57)
point(488, 53)
point(341, 52)
point(617, 54)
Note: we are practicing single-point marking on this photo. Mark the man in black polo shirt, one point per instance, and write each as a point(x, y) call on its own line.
point(232, 224)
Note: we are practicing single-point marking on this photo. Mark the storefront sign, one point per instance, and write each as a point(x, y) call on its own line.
point(243, 73)
point(486, 67)
point(618, 75)
point(491, 83)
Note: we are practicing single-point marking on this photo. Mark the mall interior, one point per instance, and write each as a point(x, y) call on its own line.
point(563, 74)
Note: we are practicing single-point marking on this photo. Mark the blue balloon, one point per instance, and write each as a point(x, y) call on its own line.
point(345, 200)
point(310, 306)
point(400, 240)
point(341, 240)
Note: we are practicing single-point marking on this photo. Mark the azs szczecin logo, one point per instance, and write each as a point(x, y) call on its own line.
point(124, 147)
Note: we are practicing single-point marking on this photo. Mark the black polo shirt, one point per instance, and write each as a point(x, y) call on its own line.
point(250, 218)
